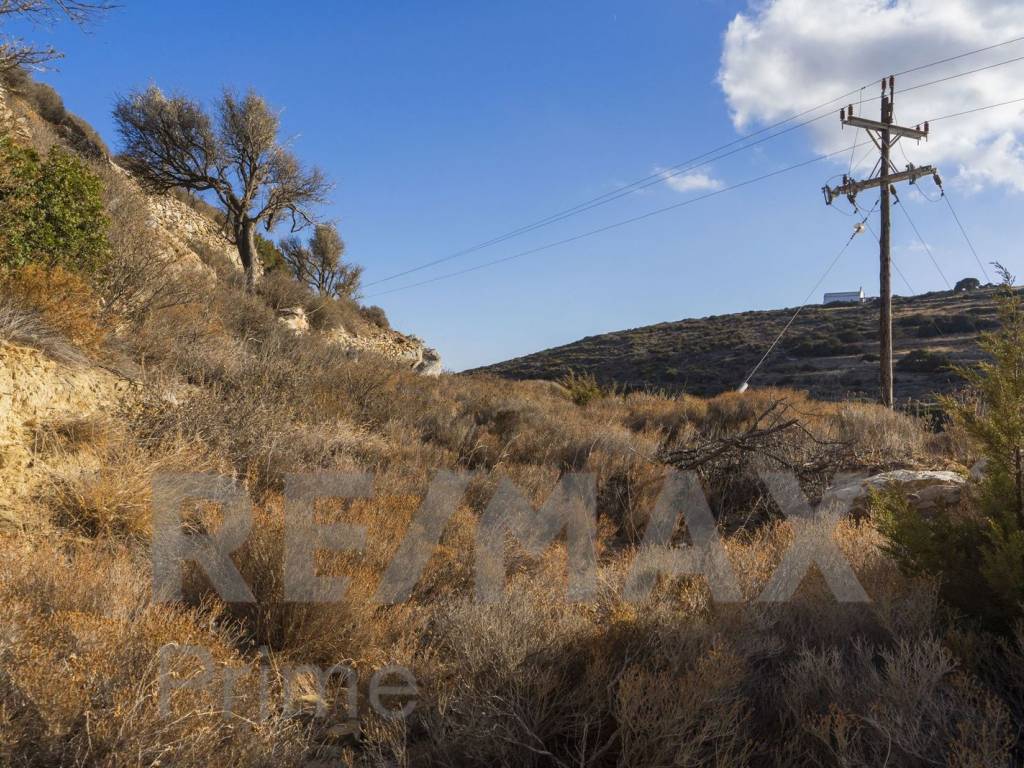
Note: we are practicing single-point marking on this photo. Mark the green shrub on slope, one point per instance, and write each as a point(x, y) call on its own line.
point(51, 211)
point(978, 552)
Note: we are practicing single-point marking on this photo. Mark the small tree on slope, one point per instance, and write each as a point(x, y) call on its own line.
point(172, 142)
point(319, 264)
point(978, 555)
point(995, 417)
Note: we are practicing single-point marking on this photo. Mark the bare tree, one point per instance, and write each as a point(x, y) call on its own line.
point(172, 142)
point(15, 52)
point(319, 264)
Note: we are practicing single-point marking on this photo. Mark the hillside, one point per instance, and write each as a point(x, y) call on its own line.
point(831, 352)
point(405, 595)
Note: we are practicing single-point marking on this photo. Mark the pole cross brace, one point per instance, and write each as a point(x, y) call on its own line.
point(853, 187)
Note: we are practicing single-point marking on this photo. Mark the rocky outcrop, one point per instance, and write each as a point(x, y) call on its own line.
point(34, 389)
point(430, 363)
point(184, 231)
point(10, 122)
point(928, 491)
point(391, 345)
point(295, 319)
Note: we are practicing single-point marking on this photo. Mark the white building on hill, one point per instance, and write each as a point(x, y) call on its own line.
point(835, 298)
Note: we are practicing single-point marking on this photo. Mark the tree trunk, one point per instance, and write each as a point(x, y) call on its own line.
point(245, 238)
point(1019, 462)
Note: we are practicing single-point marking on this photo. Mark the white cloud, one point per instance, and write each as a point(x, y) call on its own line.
point(689, 182)
point(784, 56)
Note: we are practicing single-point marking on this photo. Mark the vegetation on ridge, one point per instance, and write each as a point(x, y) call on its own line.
point(829, 351)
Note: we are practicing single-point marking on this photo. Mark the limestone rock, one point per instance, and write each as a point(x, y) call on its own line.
point(391, 345)
point(927, 490)
point(10, 122)
point(34, 389)
point(430, 363)
point(295, 319)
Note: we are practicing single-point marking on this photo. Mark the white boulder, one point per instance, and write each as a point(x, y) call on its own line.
point(926, 490)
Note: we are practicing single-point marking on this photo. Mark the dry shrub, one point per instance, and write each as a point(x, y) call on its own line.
point(65, 301)
point(532, 680)
point(696, 717)
point(905, 704)
point(80, 650)
point(375, 316)
point(882, 438)
point(512, 683)
point(327, 314)
point(281, 291)
point(283, 405)
point(310, 632)
point(71, 434)
point(140, 277)
point(19, 325)
point(679, 680)
point(101, 483)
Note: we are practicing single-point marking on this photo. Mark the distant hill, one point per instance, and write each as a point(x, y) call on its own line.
point(830, 351)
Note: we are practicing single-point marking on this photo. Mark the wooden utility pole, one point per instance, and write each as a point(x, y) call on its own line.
point(885, 259)
point(884, 133)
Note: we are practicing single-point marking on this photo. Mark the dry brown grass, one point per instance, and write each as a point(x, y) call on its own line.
point(531, 680)
point(23, 326)
point(65, 301)
point(80, 658)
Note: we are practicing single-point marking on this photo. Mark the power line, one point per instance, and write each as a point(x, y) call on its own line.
point(942, 194)
point(655, 212)
point(692, 163)
point(977, 109)
point(856, 231)
point(931, 318)
point(614, 225)
point(964, 232)
point(923, 243)
point(958, 56)
point(894, 264)
point(620, 192)
point(974, 71)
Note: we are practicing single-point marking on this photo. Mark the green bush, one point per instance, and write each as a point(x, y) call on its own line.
point(51, 211)
point(978, 553)
point(924, 361)
point(824, 346)
point(945, 326)
point(583, 387)
point(270, 255)
point(967, 284)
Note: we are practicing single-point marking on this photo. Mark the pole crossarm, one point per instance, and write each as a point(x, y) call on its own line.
point(895, 131)
point(852, 187)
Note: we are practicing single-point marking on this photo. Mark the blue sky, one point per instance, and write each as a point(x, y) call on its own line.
point(446, 124)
